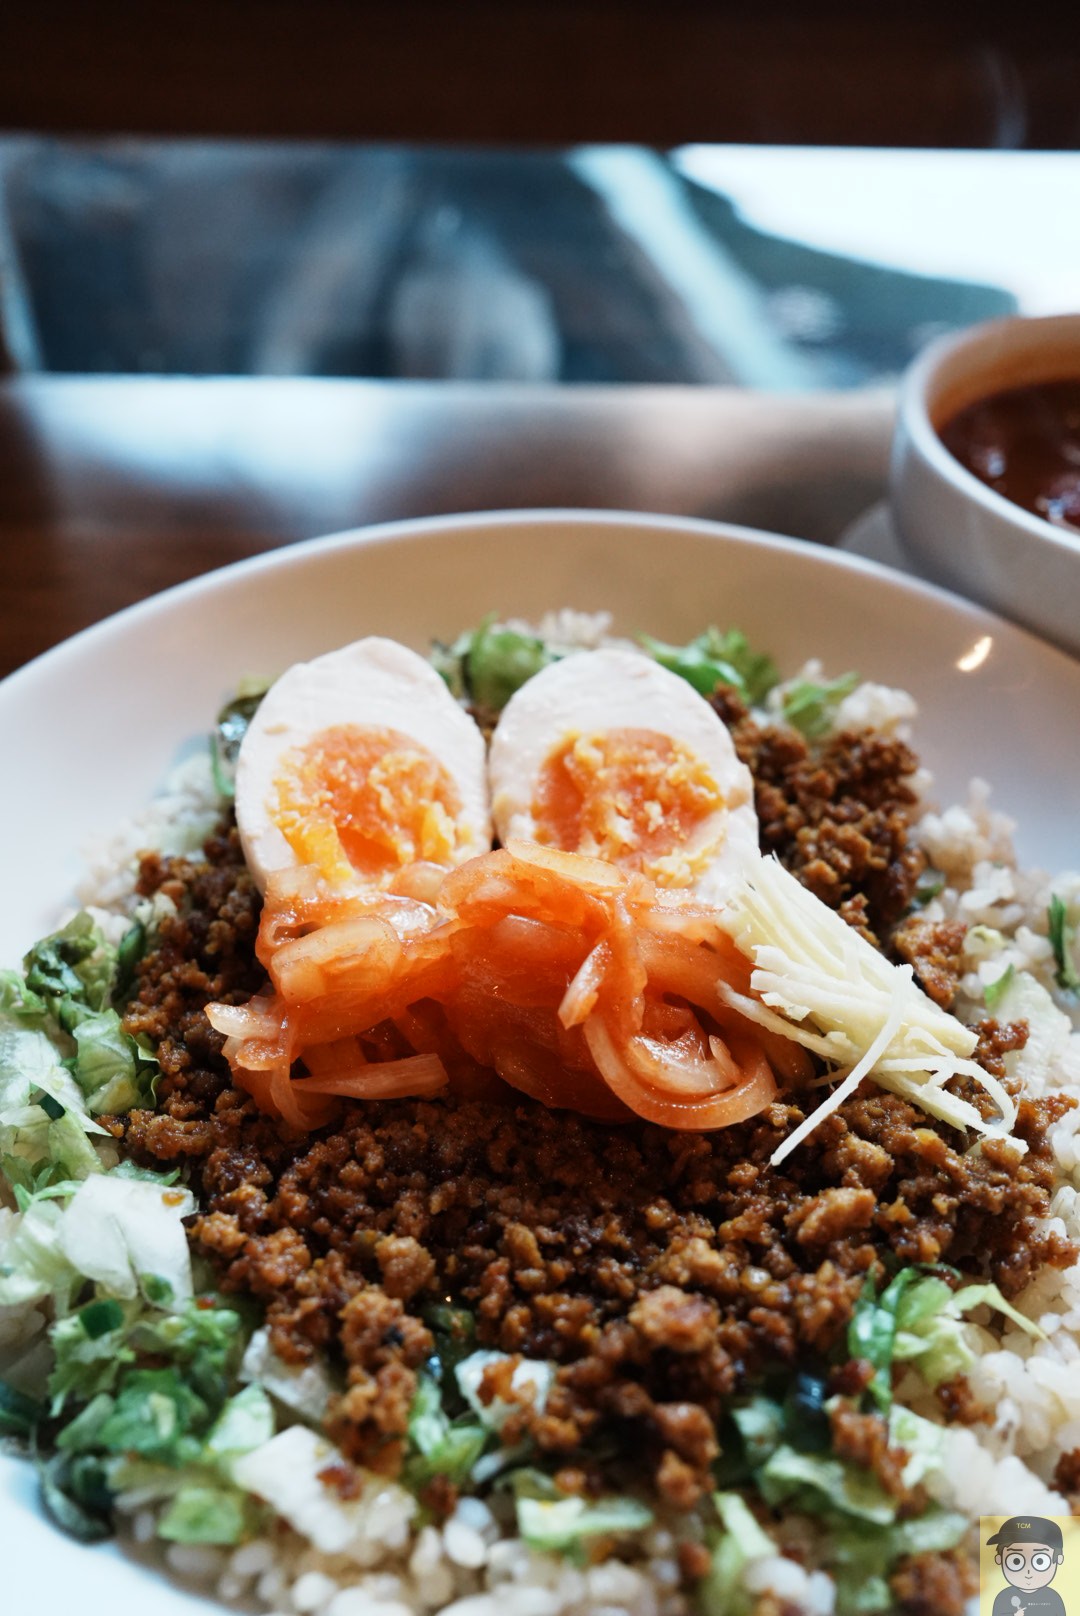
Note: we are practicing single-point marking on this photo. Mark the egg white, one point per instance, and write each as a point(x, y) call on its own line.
point(595, 692)
point(373, 683)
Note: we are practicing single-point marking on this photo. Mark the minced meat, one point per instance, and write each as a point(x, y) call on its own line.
point(837, 814)
point(663, 1272)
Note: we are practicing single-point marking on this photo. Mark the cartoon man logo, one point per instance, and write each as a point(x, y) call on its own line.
point(1029, 1551)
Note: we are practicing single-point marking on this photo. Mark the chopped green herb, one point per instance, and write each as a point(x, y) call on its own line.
point(72, 970)
point(19, 1414)
point(129, 952)
point(59, 1480)
point(157, 1290)
point(806, 1424)
point(83, 1434)
point(230, 729)
point(454, 1329)
point(697, 663)
point(494, 662)
point(716, 658)
point(99, 1318)
point(156, 1416)
point(1061, 941)
point(757, 671)
point(995, 991)
point(809, 707)
point(85, 1365)
point(205, 1342)
point(930, 884)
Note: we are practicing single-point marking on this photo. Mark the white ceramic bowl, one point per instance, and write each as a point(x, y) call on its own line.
point(957, 530)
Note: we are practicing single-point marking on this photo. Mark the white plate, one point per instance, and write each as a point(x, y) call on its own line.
point(92, 727)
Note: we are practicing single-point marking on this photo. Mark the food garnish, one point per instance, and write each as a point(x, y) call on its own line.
point(822, 984)
point(1061, 934)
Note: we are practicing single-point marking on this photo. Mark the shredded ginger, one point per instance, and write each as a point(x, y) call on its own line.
point(824, 986)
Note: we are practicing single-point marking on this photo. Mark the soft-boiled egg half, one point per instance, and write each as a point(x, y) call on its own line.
point(609, 754)
point(361, 762)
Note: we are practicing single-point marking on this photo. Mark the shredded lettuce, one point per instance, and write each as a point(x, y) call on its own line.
point(760, 1424)
point(156, 1414)
point(114, 1072)
point(33, 1264)
point(919, 1319)
point(440, 1446)
point(860, 1557)
point(561, 1525)
point(818, 1482)
point(931, 1330)
point(86, 1364)
point(741, 1541)
point(125, 1234)
point(142, 1371)
point(32, 1074)
point(304, 1389)
point(763, 1423)
point(20, 1003)
point(64, 1057)
point(809, 706)
point(872, 1330)
point(74, 1495)
point(72, 971)
point(246, 1421)
point(204, 1513)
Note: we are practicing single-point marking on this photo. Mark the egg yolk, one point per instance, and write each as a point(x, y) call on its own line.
point(632, 796)
point(364, 801)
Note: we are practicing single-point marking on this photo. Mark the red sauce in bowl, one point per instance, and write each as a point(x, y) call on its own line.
point(1025, 444)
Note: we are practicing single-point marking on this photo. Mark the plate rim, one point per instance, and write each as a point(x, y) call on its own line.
point(404, 530)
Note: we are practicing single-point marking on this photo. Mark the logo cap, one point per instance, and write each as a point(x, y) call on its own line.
point(1029, 1529)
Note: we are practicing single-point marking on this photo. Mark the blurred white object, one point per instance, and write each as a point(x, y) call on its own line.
point(1009, 218)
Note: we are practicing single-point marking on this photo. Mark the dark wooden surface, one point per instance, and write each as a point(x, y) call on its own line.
point(112, 489)
point(547, 71)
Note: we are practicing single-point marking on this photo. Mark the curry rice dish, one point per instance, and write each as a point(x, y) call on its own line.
point(701, 1352)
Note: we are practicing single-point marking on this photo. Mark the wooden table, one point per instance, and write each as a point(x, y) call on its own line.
point(555, 72)
point(114, 488)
